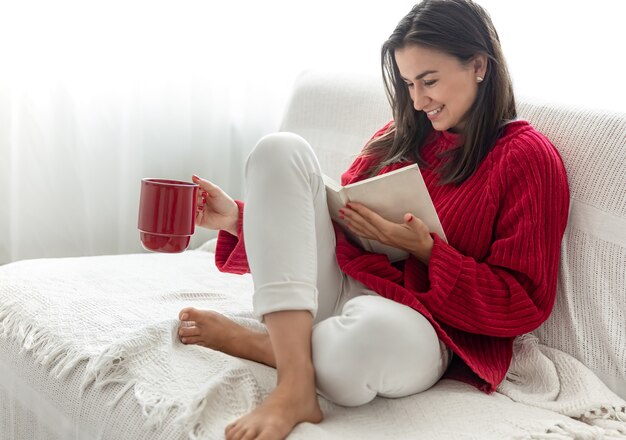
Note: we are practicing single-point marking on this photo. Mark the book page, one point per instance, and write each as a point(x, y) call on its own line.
point(394, 194)
point(390, 195)
point(335, 197)
point(336, 200)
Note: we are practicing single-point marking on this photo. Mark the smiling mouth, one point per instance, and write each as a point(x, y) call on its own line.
point(435, 111)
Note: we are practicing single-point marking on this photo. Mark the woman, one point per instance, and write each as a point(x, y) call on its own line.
point(350, 324)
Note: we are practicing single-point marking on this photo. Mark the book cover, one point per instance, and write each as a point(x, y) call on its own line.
point(390, 195)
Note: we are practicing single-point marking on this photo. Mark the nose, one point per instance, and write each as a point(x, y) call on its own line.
point(419, 99)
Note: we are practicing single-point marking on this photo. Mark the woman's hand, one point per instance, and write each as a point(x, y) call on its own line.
point(215, 209)
point(412, 235)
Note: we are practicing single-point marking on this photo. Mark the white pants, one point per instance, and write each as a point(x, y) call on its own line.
point(363, 344)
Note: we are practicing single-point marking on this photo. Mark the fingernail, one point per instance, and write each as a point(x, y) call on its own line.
point(183, 340)
point(342, 217)
point(184, 317)
point(342, 212)
point(349, 206)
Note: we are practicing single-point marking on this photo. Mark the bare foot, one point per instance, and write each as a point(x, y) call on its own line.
point(293, 401)
point(213, 330)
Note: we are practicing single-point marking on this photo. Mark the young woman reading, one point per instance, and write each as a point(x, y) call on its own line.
point(350, 325)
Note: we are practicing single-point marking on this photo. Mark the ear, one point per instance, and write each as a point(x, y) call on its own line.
point(479, 64)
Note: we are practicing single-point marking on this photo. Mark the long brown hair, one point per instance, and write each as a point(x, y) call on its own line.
point(462, 29)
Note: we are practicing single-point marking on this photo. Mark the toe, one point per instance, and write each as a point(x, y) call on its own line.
point(246, 433)
point(185, 313)
point(264, 436)
point(232, 431)
point(250, 435)
point(191, 330)
point(191, 340)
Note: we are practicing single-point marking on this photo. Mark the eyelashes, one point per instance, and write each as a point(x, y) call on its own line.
point(426, 83)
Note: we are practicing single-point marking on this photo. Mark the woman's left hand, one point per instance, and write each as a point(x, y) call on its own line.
point(412, 235)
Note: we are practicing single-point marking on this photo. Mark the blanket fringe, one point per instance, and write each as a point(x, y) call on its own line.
point(106, 368)
point(198, 417)
point(611, 419)
point(191, 419)
point(110, 367)
point(61, 358)
point(155, 407)
point(565, 431)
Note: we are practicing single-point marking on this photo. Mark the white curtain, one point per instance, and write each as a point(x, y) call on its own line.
point(96, 95)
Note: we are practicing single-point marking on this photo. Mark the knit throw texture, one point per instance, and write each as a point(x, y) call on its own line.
point(119, 315)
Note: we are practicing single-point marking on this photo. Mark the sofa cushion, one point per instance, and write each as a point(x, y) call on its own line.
point(589, 316)
point(337, 115)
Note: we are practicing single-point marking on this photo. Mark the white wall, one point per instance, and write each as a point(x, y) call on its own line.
point(569, 51)
point(95, 95)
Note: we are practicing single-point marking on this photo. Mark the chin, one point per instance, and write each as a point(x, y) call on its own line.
point(446, 125)
point(441, 126)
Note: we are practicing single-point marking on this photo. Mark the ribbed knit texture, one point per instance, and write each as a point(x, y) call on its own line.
point(496, 277)
point(230, 252)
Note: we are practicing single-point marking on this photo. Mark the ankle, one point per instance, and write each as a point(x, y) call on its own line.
point(262, 345)
point(300, 375)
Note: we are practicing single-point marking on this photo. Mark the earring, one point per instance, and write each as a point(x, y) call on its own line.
point(479, 79)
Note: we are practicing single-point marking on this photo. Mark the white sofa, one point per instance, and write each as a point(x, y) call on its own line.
point(88, 346)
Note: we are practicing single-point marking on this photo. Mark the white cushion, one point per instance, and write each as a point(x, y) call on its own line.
point(589, 317)
point(337, 115)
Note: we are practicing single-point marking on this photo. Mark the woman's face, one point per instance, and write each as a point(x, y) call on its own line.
point(439, 84)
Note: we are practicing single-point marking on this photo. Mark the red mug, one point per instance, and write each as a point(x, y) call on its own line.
point(167, 210)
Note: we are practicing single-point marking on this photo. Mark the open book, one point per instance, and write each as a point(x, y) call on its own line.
point(390, 195)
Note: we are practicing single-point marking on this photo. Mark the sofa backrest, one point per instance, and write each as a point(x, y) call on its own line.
point(338, 112)
point(589, 316)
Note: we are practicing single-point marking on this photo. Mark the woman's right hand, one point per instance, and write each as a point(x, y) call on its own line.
point(215, 208)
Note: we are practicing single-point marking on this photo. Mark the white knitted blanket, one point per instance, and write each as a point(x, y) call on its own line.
point(119, 314)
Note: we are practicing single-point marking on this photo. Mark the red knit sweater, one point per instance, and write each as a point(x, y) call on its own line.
point(496, 277)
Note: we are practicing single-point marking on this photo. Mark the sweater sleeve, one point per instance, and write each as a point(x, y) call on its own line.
point(513, 289)
point(230, 251)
